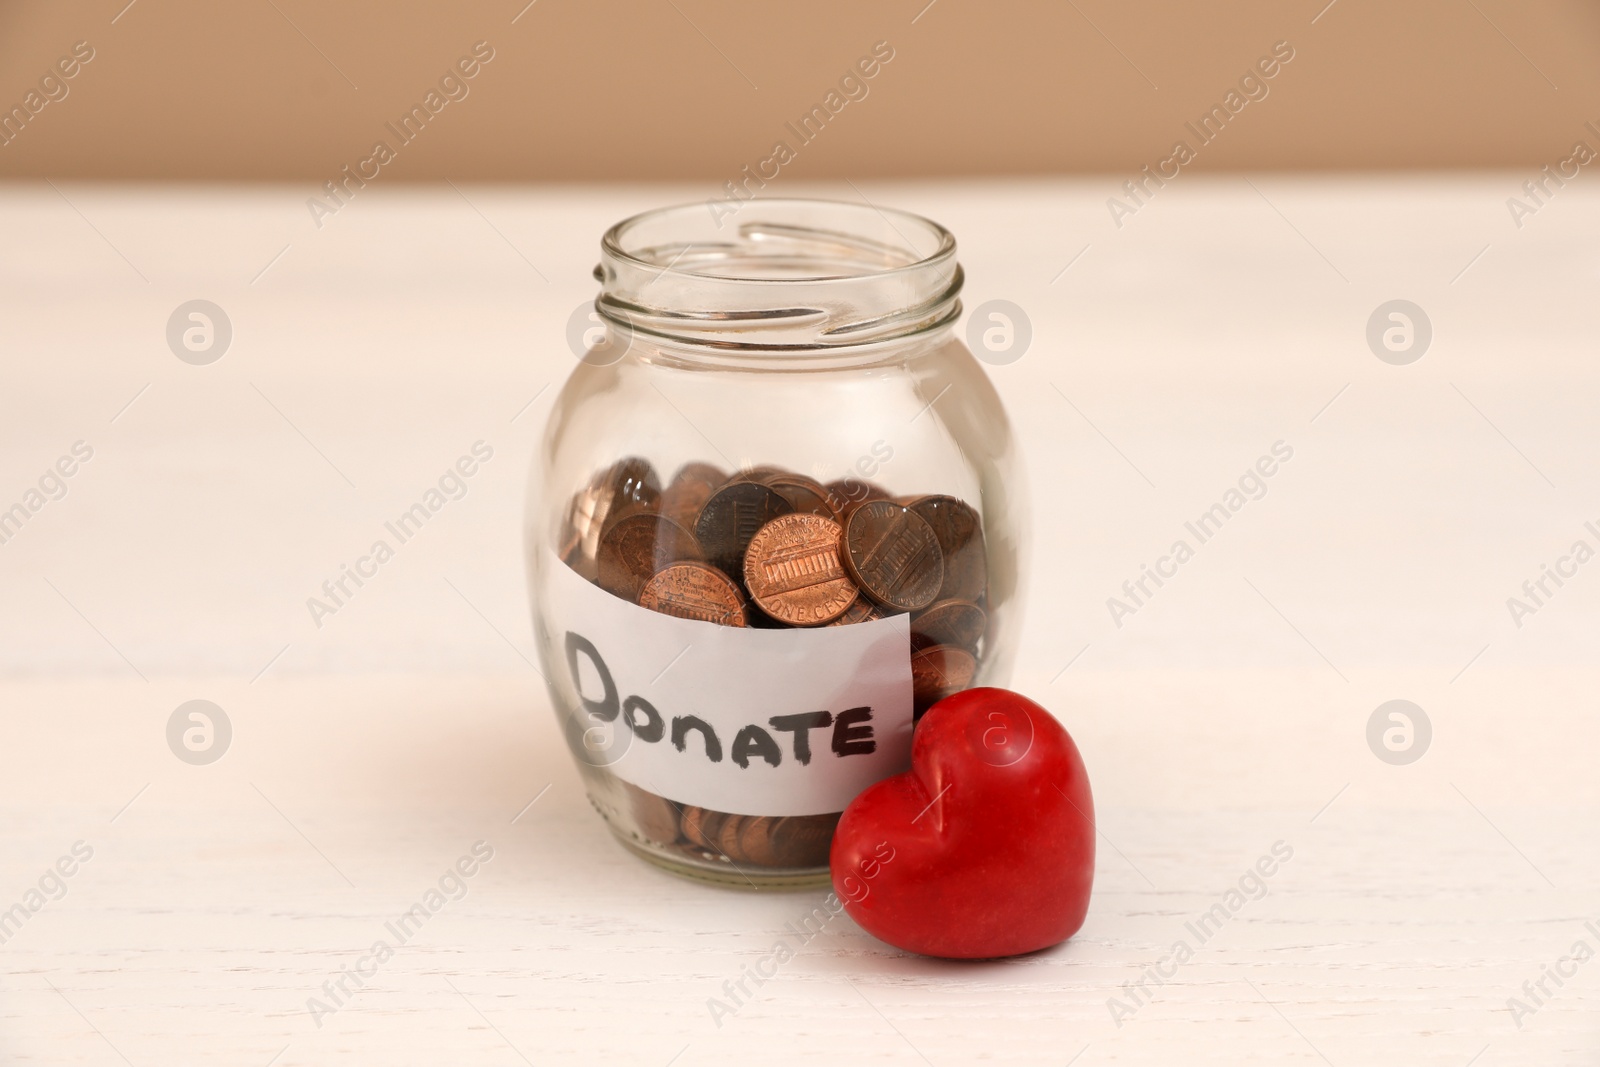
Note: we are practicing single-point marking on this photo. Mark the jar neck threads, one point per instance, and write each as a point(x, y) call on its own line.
point(790, 276)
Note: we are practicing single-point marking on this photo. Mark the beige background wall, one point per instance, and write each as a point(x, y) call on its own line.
point(292, 89)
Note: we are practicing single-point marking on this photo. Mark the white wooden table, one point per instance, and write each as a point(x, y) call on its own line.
point(1229, 712)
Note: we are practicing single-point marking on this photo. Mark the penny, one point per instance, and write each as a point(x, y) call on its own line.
point(656, 817)
point(960, 534)
point(688, 491)
point(699, 473)
point(627, 485)
point(731, 517)
point(788, 841)
point(634, 548)
point(802, 840)
point(793, 573)
point(635, 480)
point(862, 610)
point(950, 622)
point(729, 832)
point(755, 841)
point(718, 832)
point(893, 555)
point(936, 673)
point(762, 472)
point(846, 493)
point(701, 825)
point(804, 494)
point(692, 590)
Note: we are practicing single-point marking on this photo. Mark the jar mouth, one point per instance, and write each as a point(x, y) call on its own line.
point(779, 274)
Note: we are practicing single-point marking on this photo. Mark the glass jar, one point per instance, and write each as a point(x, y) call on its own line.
point(777, 512)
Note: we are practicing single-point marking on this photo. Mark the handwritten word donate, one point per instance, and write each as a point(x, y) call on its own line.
point(851, 729)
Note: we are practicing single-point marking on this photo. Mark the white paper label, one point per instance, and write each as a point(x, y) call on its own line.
point(755, 722)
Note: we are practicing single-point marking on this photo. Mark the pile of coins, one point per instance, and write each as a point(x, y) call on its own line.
point(768, 547)
point(772, 841)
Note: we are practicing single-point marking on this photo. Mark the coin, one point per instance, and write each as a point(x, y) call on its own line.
point(788, 841)
point(862, 610)
point(702, 473)
point(656, 817)
point(950, 622)
point(846, 493)
point(936, 673)
point(727, 840)
point(792, 570)
point(802, 840)
point(893, 555)
point(688, 491)
point(731, 517)
point(761, 472)
point(691, 590)
point(803, 494)
point(627, 485)
point(960, 534)
point(631, 486)
point(635, 480)
point(632, 549)
point(755, 844)
point(701, 825)
point(728, 836)
point(634, 490)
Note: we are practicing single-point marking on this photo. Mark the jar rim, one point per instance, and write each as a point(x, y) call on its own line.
point(612, 242)
point(792, 274)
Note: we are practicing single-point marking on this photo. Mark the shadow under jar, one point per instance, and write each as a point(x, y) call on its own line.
point(778, 512)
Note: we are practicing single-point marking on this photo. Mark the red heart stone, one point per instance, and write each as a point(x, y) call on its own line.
point(985, 847)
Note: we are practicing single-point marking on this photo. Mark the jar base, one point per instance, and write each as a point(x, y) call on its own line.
point(726, 874)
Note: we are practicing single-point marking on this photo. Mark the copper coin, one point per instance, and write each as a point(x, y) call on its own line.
point(960, 534)
point(635, 479)
point(694, 591)
point(893, 555)
point(633, 548)
point(936, 673)
point(793, 572)
point(731, 517)
point(717, 832)
point(727, 840)
point(656, 817)
point(862, 610)
point(950, 622)
point(846, 493)
point(629, 484)
point(701, 826)
point(699, 473)
point(755, 842)
point(761, 472)
point(802, 840)
point(688, 491)
point(804, 494)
